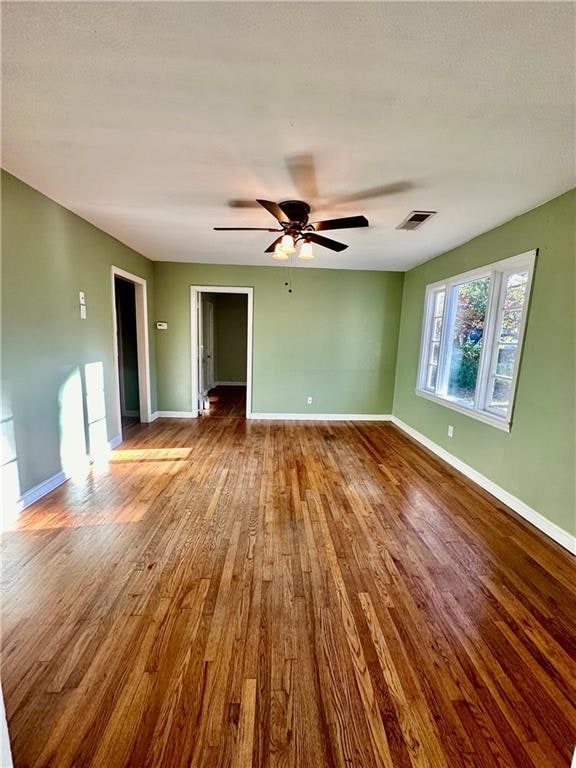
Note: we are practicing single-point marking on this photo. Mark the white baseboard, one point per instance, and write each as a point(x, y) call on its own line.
point(153, 417)
point(115, 442)
point(559, 535)
point(34, 494)
point(322, 416)
point(174, 415)
point(229, 384)
point(42, 489)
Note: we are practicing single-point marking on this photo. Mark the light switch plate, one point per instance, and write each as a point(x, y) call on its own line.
point(162, 326)
point(82, 296)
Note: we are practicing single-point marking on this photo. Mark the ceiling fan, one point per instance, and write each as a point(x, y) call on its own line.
point(292, 216)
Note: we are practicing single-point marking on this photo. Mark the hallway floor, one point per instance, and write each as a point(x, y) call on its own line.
point(227, 401)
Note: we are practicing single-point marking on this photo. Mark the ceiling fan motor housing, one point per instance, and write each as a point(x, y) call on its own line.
point(297, 211)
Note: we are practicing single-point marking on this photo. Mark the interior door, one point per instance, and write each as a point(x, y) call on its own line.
point(208, 345)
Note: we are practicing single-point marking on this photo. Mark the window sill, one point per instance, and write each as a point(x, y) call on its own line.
point(486, 418)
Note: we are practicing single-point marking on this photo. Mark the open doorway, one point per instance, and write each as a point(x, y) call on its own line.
point(132, 370)
point(221, 351)
point(127, 342)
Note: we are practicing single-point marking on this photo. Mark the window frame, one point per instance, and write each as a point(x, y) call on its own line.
point(498, 272)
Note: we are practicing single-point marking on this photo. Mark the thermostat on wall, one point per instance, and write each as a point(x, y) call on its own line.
point(162, 326)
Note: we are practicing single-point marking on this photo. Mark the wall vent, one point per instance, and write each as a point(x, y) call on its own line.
point(415, 219)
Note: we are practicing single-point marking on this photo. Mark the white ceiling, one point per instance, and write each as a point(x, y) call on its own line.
point(146, 118)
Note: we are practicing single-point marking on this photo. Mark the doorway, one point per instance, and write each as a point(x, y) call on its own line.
point(132, 371)
point(127, 342)
point(221, 351)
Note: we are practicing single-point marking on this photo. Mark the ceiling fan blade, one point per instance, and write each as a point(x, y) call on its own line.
point(235, 203)
point(302, 169)
point(273, 245)
point(334, 245)
point(274, 209)
point(366, 194)
point(348, 222)
point(246, 229)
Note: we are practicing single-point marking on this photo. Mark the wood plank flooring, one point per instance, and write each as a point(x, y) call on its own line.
point(227, 401)
point(239, 593)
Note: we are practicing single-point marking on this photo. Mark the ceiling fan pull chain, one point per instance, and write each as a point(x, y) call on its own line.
point(288, 282)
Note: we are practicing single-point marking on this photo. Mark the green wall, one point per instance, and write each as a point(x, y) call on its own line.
point(334, 338)
point(536, 461)
point(48, 256)
point(230, 336)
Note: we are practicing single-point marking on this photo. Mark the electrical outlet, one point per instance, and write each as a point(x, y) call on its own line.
point(83, 311)
point(309, 401)
point(450, 430)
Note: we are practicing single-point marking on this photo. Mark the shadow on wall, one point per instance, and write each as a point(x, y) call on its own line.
point(82, 436)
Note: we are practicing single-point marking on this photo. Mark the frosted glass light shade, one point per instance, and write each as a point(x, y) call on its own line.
point(306, 252)
point(279, 254)
point(287, 244)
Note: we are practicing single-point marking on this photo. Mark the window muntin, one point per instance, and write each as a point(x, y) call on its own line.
point(472, 338)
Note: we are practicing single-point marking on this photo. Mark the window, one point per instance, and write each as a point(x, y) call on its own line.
point(472, 339)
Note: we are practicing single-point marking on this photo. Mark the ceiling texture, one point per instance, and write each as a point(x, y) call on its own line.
point(147, 118)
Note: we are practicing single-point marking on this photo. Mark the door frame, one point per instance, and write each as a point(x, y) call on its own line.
point(141, 344)
point(195, 290)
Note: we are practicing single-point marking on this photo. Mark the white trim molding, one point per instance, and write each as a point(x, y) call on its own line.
point(559, 535)
point(322, 416)
point(174, 415)
point(42, 489)
point(478, 415)
point(5, 751)
point(115, 442)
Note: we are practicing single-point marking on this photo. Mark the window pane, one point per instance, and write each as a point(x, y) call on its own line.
point(517, 278)
point(510, 328)
point(500, 399)
point(439, 303)
point(466, 334)
point(436, 308)
point(515, 290)
point(436, 328)
point(506, 359)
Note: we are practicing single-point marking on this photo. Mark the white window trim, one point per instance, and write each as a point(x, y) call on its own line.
point(496, 271)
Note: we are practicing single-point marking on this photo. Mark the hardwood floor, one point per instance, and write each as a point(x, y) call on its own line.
point(227, 401)
point(236, 593)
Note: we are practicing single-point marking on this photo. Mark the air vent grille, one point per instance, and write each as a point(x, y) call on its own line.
point(415, 219)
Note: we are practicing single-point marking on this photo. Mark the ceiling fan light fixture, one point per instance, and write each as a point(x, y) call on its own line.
point(287, 244)
point(306, 252)
point(279, 253)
